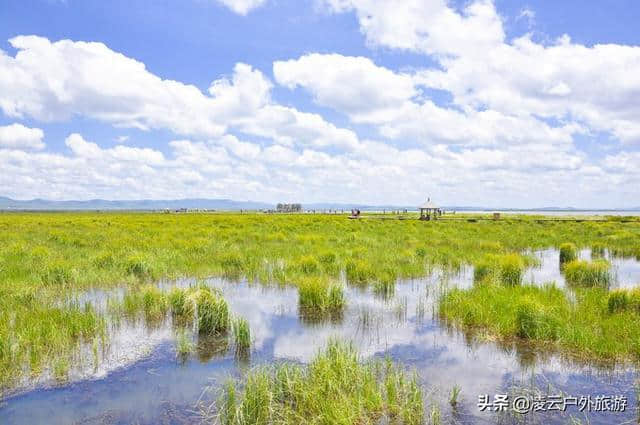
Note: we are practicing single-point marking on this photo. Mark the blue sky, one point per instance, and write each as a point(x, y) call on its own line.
point(504, 103)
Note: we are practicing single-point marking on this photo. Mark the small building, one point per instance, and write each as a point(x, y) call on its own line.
point(288, 208)
point(429, 210)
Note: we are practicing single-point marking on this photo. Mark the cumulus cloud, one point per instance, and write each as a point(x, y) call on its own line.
point(242, 7)
point(18, 136)
point(427, 26)
point(373, 171)
point(91, 151)
point(597, 85)
point(513, 110)
point(392, 101)
point(57, 81)
point(354, 85)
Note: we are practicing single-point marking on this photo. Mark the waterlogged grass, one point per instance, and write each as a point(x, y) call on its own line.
point(597, 325)
point(568, 252)
point(207, 306)
point(198, 308)
point(37, 337)
point(507, 269)
point(624, 300)
point(241, 335)
point(46, 258)
point(584, 273)
point(318, 297)
point(213, 316)
point(336, 388)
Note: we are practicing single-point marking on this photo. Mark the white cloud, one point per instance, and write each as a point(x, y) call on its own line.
point(516, 107)
point(354, 85)
point(428, 26)
point(288, 126)
point(56, 81)
point(91, 151)
point(242, 7)
point(20, 137)
point(372, 172)
point(598, 86)
point(392, 101)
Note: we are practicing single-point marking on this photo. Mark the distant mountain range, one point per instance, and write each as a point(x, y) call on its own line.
point(231, 205)
point(144, 204)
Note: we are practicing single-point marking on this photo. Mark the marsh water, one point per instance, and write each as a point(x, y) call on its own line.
point(139, 378)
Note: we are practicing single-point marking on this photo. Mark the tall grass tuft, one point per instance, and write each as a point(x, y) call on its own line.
point(507, 269)
point(598, 250)
point(624, 300)
point(588, 274)
point(180, 305)
point(316, 296)
point(212, 312)
point(591, 323)
point(138, 266)
point(511, 269)
point(308, 265)
point(455, 395)
point(149, 299)
point(184, 345)
point(335, 388)
point(533, 323)
point(568, 253)
point(241, 335)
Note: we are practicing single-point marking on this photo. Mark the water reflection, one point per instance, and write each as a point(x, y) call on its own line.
point(161, 387)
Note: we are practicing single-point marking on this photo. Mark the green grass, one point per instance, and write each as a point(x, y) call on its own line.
point(593, 326)
point(149, 299)
point(568, 253)
point(584, 273)
point(623, 300)
point(241, 335)
point(212, 312)
point(336, 388)
point(318, 297)
point(45, 259)
point(506, 269)
point(455, 395)
point(184, 344)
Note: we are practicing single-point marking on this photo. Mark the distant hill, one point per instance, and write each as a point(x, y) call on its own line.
point(145, 204)
point(231, 205)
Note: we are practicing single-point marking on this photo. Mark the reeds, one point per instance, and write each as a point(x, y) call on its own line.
point(184, 344)
point(241, 335)
point(568, 253)
point(594, 325)
point(598, 250)
point(138, 266)
point(533, 322)
point(335, 388)
point(511, 269)
point(588, 274)
point(455, 395)
point(623, 300)
point(316, 296)
point(212, 312)
point(507, 269)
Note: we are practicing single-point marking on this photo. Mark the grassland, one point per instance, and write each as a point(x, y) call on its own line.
point(45, 259)
point(335, 388)
point(593, 326)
